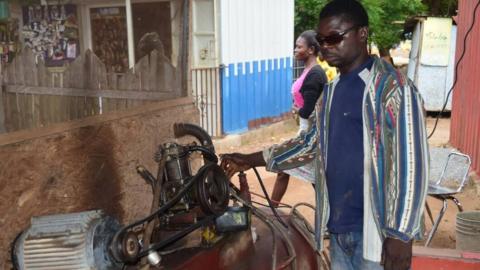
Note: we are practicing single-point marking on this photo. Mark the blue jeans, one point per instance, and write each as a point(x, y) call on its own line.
point(346, 252)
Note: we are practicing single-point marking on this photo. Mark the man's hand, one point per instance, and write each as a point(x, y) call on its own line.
point(295, 109)
point(233, 163)
point(396, 254)
point(236, 162)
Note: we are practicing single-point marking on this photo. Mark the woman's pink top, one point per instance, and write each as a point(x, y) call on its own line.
point(297, 85)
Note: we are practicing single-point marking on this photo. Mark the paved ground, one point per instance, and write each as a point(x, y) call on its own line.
point(299, 191)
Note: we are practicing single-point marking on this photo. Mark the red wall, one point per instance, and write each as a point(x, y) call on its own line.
point(425, 258)
point(430, 263)
point(465, 122)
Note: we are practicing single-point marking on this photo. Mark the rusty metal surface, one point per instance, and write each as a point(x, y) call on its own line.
point(238, 251)
point(465, 122)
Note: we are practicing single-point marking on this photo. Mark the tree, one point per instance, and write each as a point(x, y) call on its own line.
point(385, 18)
point(306, 14)
point(441, 7)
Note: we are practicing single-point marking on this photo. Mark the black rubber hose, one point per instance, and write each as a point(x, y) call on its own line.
point(184, 129)
point(207, 153)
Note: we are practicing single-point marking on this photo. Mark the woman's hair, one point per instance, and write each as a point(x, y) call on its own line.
point(310, 38)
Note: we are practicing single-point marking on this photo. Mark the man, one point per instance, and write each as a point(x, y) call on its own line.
point(370, 147)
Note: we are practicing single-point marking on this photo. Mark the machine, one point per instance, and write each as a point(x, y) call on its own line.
point(190, 205)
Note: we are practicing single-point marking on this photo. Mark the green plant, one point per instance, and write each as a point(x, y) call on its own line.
point(386, 18)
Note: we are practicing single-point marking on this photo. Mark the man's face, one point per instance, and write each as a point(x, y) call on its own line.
point(341, 42)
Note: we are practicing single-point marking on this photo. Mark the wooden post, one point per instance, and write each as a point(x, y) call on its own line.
point(131, 47)
point(2, 112)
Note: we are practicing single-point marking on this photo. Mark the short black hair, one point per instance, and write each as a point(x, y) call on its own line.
point(310, 38)
point(351, 10)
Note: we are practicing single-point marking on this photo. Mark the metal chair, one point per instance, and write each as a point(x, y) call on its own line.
point(442, 191)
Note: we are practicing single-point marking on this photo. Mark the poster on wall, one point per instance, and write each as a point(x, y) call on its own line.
point(436, 42)
point(51, 31)
point(9, 41)
point(109, 37)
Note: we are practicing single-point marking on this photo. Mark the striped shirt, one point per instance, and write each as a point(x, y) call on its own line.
point(395, 158)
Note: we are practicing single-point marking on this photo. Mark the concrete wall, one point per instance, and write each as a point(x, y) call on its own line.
point(81, 165)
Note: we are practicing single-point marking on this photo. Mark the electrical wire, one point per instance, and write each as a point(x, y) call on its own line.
point(266, 205)
point(237, 190)
point(268, 198)
point(456, 70)
point(280, 204)
point(275, 228)
point(170, 203)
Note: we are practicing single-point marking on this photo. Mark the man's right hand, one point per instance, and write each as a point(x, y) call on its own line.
point(396, 254)
point(295, 109)
point(233, 163)
point(236, 162)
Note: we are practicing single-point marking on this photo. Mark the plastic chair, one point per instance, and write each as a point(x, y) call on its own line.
point(441, 191)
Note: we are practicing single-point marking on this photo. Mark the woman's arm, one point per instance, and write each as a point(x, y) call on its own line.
point(311, 89)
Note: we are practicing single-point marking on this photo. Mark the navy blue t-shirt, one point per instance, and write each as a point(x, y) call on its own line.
point(345, 153)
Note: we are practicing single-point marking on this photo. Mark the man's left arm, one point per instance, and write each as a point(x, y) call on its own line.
point(411, 165)
point(408, 189)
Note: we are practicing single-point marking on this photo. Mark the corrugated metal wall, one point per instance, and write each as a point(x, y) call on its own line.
point(465, 124)
point(256, 49)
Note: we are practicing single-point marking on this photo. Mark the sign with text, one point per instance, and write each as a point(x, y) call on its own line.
point(436, 42)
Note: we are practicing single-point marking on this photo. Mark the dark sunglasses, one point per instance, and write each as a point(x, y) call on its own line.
point(334, 39)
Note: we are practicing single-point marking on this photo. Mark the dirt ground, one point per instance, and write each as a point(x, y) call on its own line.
point(300, 191)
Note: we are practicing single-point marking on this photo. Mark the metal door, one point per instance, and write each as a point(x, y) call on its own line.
point(205, 72)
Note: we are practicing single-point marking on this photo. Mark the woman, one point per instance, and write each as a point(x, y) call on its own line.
point(305, 91)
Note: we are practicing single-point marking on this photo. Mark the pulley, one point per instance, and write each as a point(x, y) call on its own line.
point(212, 191)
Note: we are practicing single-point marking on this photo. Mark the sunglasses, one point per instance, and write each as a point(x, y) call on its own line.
point(334, 39)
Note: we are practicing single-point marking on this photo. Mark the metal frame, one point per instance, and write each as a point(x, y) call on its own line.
point(462, 183)
point(206, 92)
point(447, 195)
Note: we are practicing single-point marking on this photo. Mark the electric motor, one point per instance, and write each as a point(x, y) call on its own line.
point(67, 241)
